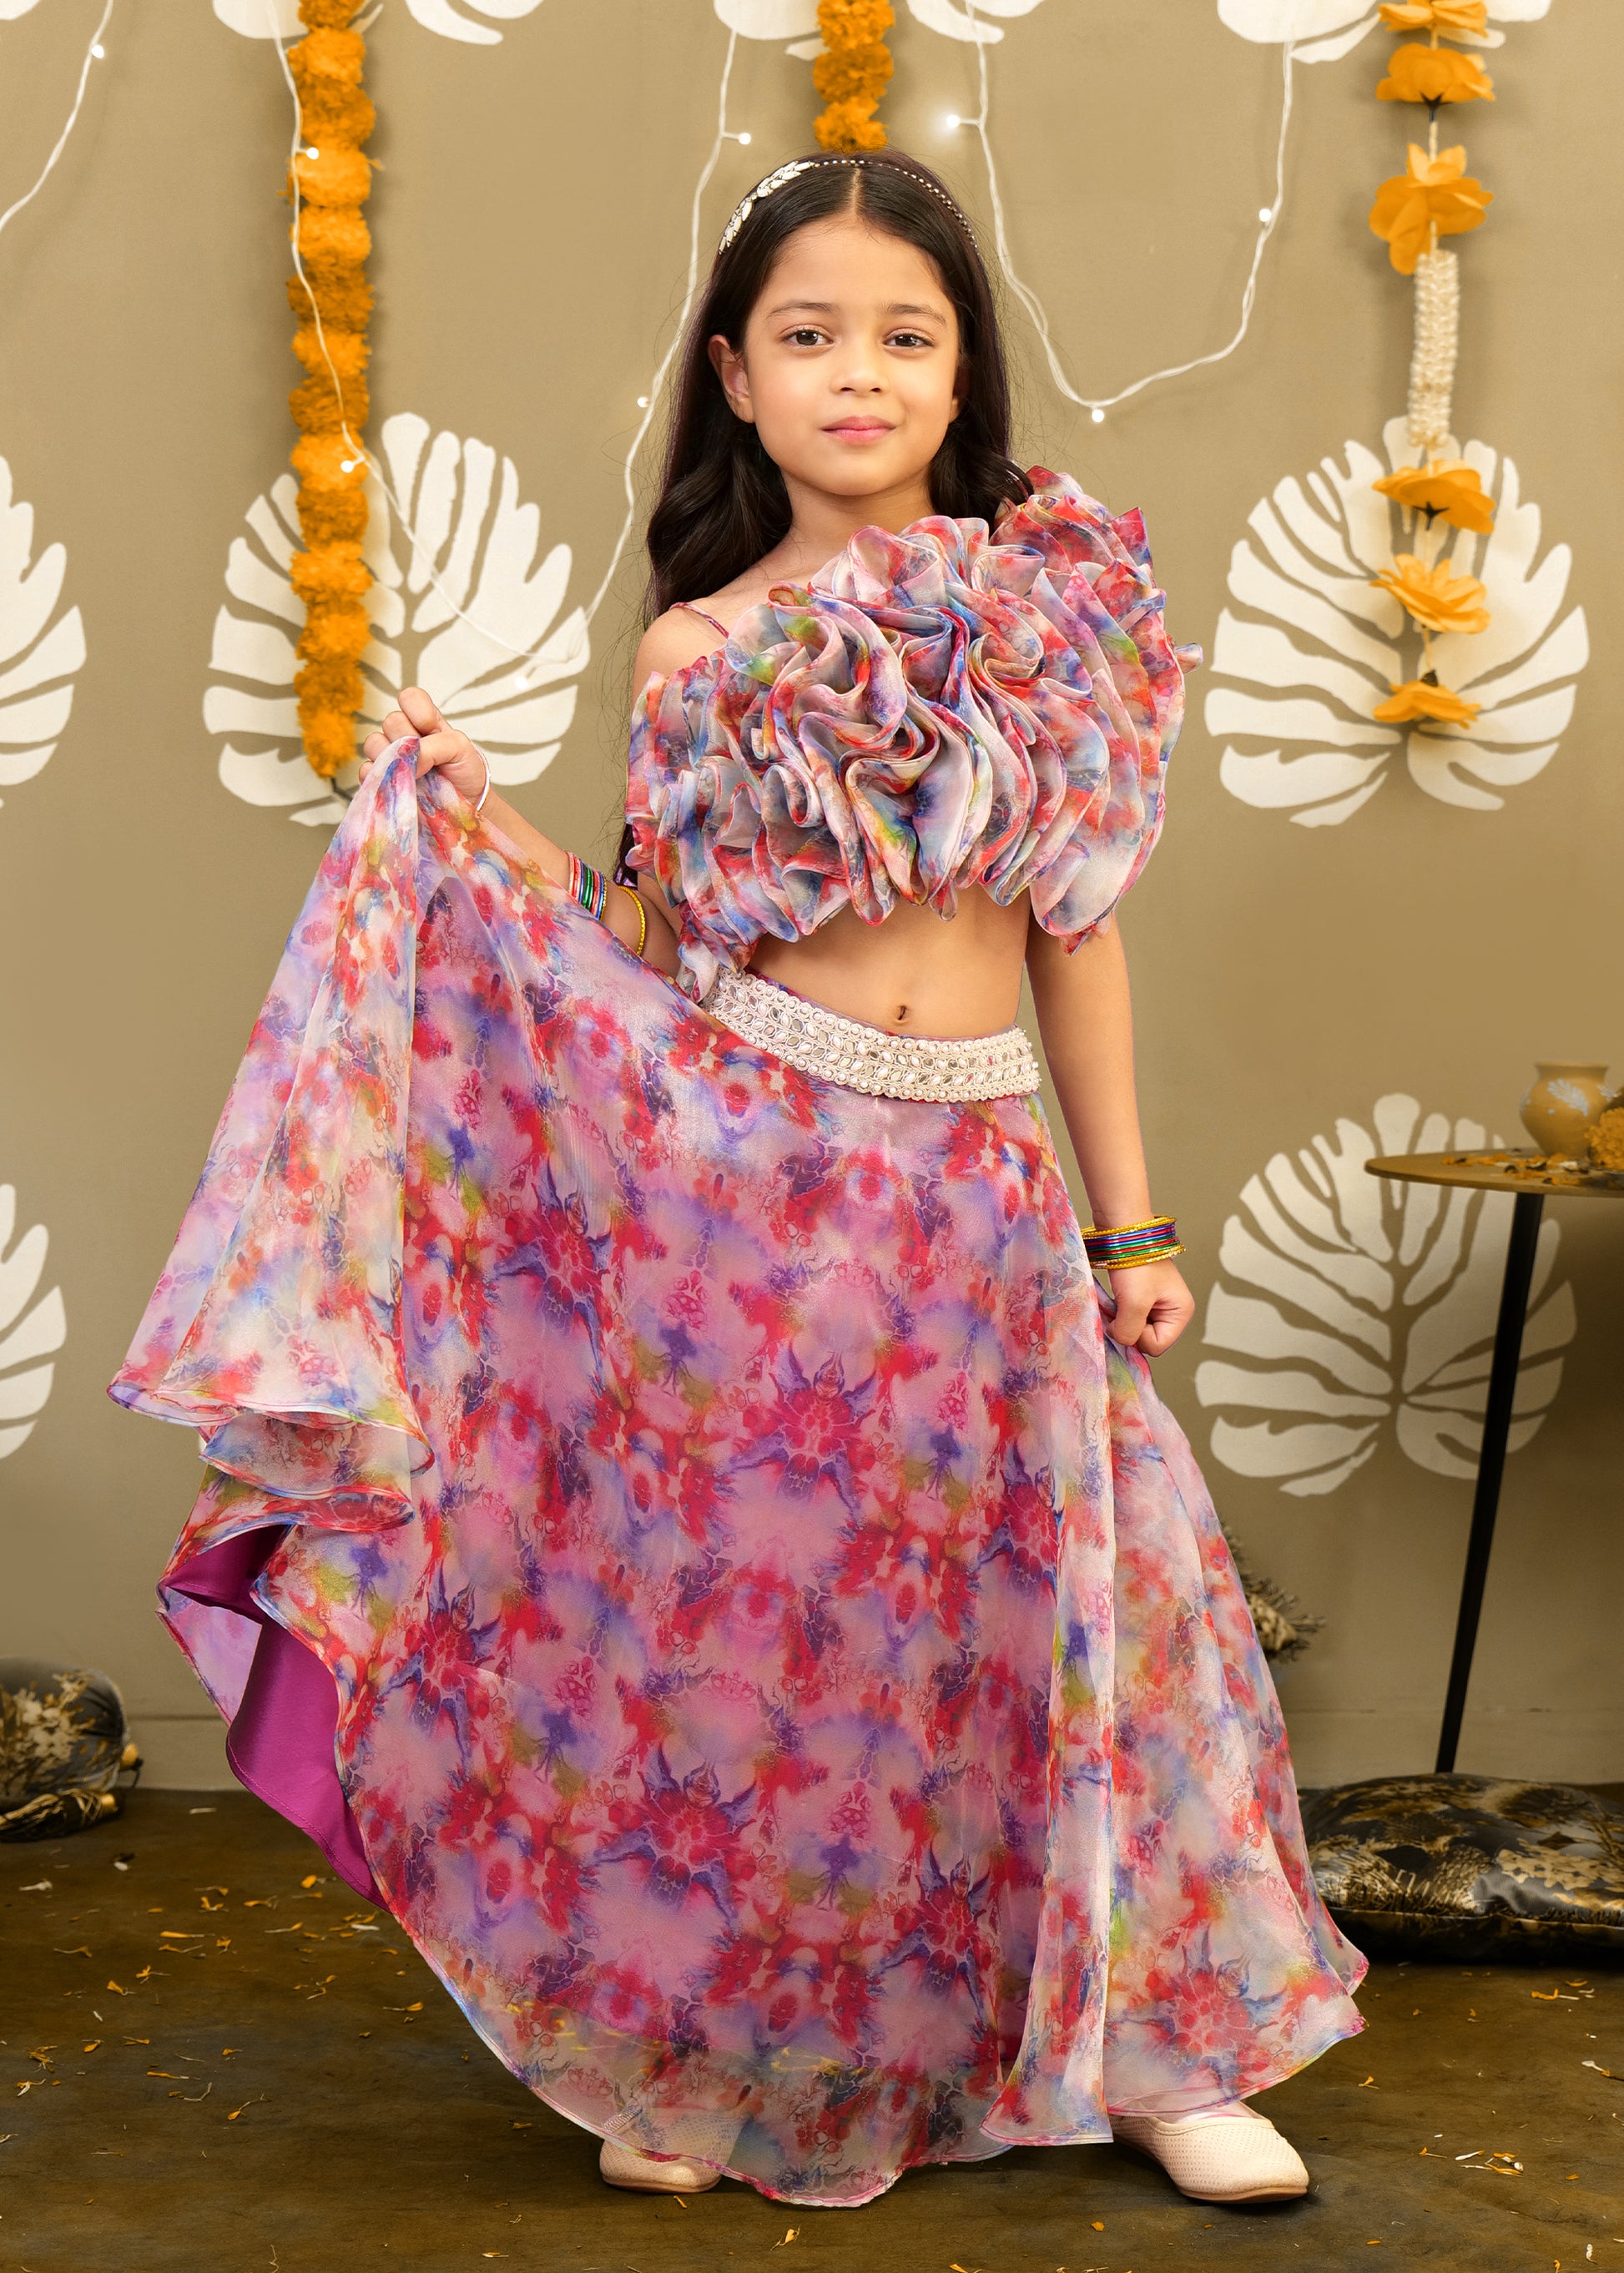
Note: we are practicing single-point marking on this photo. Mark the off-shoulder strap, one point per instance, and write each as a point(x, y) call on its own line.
point(704, 615)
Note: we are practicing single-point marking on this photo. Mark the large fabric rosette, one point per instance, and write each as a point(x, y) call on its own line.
point(945, 707)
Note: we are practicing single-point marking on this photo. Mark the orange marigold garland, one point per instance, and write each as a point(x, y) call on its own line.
point(853, 72)
point(334, 177)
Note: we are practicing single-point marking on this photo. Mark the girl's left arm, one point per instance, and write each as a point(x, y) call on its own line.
point(1086, 1018)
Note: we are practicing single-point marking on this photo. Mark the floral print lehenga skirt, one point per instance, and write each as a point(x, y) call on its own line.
point(678, 1533)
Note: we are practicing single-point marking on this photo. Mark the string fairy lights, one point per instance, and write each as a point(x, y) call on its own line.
point(96, 52)
point(318, 344)
point(1269, 220)
point(648, 403)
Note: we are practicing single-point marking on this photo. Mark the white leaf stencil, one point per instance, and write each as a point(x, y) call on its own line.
point(279, 19)
point(261, 19)
point(1362, 1311)
point(793, 20)
point(41, 648)
point(1312, 646)
point(1324, 30)
point(768, 19)
point(959, 22)
point(508, 683)
point(30, 1329)
point(440, 16)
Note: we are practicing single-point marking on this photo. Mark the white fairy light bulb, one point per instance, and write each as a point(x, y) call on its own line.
point(952, 120)
point(98, 51)
point(312, 154)
point(642, 403)
point(745, 141)
point(1098, 415)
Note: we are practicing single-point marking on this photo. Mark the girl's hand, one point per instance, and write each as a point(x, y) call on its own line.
point(1153, 1306)
point(439, 745)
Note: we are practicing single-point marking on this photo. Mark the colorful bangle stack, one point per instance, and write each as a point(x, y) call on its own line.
point(1154, 1240)
point(588, 886)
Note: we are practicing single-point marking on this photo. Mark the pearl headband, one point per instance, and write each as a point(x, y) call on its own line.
point(775, 181)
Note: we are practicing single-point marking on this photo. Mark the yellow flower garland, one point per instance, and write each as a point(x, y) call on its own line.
point(334, 177)
point(1434, 196)
point(853, 72)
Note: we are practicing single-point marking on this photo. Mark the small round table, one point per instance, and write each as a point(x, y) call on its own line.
point(1530, 1181)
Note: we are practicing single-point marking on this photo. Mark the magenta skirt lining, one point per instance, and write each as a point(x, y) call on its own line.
point(279, 1742)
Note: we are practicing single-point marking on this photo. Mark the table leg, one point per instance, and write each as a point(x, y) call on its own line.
point(1491, 1460)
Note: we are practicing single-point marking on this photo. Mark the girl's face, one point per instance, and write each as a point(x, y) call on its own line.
point(849, 367)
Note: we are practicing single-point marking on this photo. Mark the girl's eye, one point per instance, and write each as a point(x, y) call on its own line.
point(909, 340)
point(805, 336)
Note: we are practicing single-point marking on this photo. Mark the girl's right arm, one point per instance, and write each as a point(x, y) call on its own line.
point(445, 747)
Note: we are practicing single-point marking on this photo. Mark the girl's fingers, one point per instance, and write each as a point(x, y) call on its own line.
point(395, 727)
point(442, 749)
point(1152, 1308)
point(1166, 1321)
point(374, 746)
point(422, 712)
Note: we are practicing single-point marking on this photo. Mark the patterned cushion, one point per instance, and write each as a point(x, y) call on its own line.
point(1470, 1868)
point(64, 1747)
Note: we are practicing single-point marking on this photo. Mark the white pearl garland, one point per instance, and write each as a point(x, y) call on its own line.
point(1431, 369)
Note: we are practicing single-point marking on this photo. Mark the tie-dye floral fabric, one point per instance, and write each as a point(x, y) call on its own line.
point(791, 1684)
point(935, 710)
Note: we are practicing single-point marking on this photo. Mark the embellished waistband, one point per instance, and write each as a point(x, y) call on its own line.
point(867, 1058)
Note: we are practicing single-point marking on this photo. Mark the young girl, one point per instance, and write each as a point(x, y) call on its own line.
point(677, 1526)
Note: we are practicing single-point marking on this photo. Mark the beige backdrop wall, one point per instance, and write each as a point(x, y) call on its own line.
point(531, 229)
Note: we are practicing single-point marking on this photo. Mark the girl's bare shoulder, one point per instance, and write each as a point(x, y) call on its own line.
point(672, 641)
point(683, 634)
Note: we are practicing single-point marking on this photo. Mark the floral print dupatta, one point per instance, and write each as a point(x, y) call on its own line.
point(678, 1532)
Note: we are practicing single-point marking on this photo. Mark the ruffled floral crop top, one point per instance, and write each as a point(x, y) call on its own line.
point(935, 710)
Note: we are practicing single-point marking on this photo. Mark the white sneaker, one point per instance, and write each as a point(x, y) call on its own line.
point(646, 2174)
point(1227, 2154)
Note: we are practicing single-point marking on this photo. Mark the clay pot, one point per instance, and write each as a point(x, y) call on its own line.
point(1567, 1097)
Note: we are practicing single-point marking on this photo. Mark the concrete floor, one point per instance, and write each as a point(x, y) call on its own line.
point(254, 2086)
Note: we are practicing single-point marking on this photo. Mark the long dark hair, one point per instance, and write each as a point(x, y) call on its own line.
point(722, 502)
point(722, 498)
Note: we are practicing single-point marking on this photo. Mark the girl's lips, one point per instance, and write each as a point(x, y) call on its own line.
point(859, 429)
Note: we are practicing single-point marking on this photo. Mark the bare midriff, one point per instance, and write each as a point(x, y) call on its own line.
point(949, 979)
